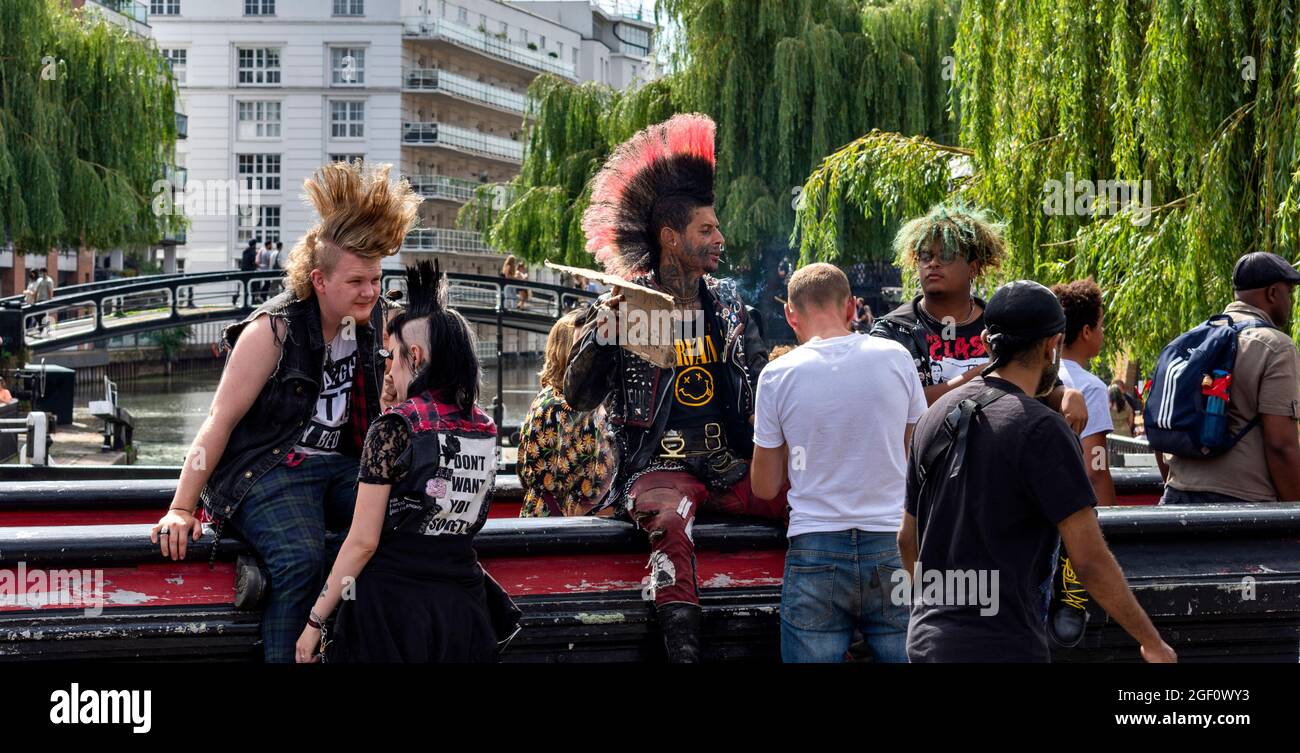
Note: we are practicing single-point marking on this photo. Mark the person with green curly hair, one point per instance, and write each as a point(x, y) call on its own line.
point(948, 248)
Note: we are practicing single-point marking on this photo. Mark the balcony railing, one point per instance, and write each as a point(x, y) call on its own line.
point(443, 239)
point(438, 28)
point(434, 80)
point(438, 134)
point(133, 10)
point(182, 126)
point(443, 187)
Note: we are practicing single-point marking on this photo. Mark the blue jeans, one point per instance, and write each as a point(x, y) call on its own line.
point(284, 518)
point(834, 584)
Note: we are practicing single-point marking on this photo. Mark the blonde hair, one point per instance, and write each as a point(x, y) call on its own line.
point(558, 344)
point(818, 286)
point(511, 264)
point(361, 212)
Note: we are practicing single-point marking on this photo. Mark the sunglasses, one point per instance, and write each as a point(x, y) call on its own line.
point(946, 256)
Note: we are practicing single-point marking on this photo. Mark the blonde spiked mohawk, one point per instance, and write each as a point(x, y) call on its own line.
point(360, 212)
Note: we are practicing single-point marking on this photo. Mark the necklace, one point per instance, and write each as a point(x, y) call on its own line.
point(970, 312)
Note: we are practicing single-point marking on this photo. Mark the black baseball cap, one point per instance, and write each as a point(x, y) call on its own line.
point(1261, 269)
point(1024, 310)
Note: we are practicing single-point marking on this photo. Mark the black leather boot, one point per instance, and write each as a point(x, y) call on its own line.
point(1067, 616)
point(680, 624)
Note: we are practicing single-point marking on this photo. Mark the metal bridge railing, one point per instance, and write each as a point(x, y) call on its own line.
point(97, 311)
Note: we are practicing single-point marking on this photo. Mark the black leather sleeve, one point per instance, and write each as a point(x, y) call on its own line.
point(755, 346)
point(588, 378)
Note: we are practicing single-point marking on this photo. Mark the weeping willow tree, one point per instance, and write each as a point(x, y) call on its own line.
point(788, 82)
point(1147, 143)
point(87, 122)
point(538, 215)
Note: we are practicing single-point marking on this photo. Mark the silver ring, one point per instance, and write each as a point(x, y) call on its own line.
point(164, 532)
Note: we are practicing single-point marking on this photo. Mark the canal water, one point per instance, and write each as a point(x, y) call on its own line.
point(169, 411)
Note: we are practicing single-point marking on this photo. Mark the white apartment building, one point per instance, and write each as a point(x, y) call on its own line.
point(275, 88)
point(617, 38)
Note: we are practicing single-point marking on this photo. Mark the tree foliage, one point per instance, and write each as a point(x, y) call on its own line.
point(1196, 100)
point(788, 82)
point(87, 122)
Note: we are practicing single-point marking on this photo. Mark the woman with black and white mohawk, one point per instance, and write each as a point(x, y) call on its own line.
point(277, 456)
point(427, 470)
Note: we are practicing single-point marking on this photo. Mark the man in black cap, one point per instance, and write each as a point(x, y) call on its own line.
point(996, 482)
point(1263, 465)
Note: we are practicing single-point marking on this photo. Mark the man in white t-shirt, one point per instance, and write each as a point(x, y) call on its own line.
point(1081, 300)
point(836, 414)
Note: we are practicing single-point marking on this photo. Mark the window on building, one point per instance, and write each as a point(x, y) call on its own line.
point(349, 7)
point(347, 119)
point(259, 120)
point(259, 7)
point(165, 7)
point(575, 56)
point(542, 44)
point(259, 66)
point(462, 15)
point(560, 47)
point(259, 222)
point(505, 28)
point(260, 171)
point(348, 157)
point(634, 40)
point(347, 66)
point(176, 58)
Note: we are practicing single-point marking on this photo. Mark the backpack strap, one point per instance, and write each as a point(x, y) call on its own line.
point(1240, 327)
point(957, 426)
point(956, 430)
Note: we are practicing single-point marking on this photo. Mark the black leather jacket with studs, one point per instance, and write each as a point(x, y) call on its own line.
point(635, 392)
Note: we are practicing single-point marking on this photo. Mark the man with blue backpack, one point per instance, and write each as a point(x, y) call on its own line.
point(1224, 399)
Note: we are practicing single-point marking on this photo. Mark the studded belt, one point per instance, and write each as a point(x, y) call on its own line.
point(685, 442)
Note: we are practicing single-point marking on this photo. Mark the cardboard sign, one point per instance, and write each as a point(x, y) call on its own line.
point(638, 300)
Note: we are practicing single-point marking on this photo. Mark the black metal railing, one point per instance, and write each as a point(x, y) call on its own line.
point(94, 311)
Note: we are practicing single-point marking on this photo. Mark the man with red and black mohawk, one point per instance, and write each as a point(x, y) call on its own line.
point(683, 428)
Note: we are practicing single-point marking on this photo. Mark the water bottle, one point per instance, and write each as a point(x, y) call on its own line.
point(1214, 430)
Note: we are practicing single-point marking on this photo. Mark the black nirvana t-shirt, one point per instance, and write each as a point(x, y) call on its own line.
point(697, 384)
point(951, 349)
point(991, 530)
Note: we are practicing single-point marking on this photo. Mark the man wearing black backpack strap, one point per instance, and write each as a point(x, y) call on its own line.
point(1263, 465)
point(995, 483)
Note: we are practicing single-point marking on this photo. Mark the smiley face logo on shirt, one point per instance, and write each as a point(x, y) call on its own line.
point(694, 387)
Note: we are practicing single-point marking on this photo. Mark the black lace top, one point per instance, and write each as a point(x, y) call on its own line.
point(381, 458)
